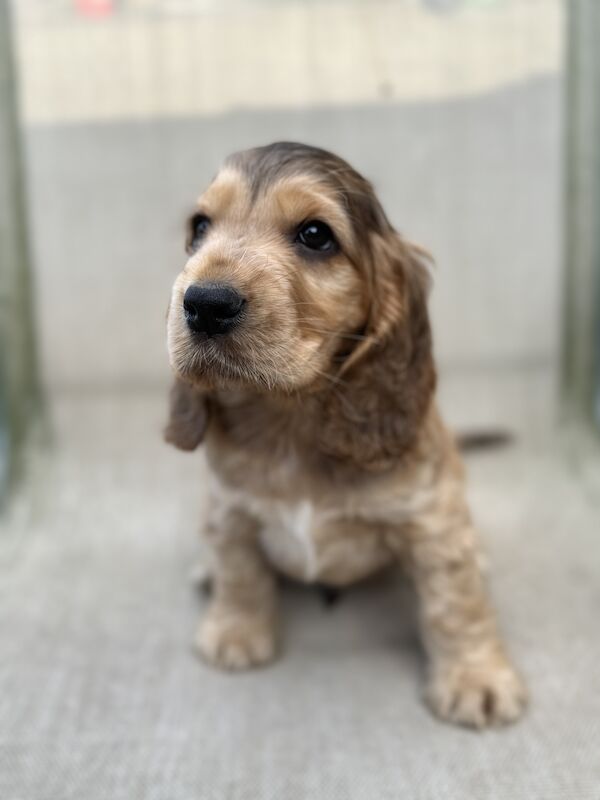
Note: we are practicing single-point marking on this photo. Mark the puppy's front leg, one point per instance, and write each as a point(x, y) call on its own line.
point(239, 628)
point(472, 681)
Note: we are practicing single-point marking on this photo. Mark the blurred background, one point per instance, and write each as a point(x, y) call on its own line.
point(478, 121)
point(454, 109)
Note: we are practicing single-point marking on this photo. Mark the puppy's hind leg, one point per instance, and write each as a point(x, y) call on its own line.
point(239, 629)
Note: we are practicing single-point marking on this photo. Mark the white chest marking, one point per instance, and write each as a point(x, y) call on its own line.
point(288, 539)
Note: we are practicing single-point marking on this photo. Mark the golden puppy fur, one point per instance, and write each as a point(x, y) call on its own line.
point(328, 456)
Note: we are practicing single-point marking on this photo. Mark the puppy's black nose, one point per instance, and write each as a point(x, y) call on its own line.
point(212, 307)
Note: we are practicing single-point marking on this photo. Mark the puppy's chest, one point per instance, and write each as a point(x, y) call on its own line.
point(293, 511)
point(289, 537)
point(317, 522)
point(312, 530)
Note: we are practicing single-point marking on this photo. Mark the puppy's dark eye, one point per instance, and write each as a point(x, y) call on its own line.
point(316, 235)
point(199, 225)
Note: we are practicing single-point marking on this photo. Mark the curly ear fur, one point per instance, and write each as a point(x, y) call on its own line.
point(373, 416)
point(188, 416)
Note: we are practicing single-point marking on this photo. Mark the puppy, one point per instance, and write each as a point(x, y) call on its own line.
point(299, 337)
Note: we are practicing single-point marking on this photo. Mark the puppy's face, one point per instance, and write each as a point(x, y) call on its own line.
point(275, 289)
point(296, 282)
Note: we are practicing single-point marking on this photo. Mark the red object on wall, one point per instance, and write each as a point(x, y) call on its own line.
point(95, 8)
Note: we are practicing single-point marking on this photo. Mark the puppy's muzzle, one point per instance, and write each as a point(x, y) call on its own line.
point(212, 308)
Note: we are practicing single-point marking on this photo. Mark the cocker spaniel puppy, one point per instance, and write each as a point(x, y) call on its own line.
point(299, 337)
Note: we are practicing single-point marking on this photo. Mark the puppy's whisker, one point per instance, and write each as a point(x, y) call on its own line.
point(333, 378)
point(356, 337)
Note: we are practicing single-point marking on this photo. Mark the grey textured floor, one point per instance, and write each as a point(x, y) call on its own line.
point(102, 698)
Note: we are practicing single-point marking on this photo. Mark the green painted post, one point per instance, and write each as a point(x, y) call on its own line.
point(19, 395)
point(581, 351)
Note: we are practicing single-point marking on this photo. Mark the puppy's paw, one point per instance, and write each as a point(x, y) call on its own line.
point(478, 695)
point(236, 640)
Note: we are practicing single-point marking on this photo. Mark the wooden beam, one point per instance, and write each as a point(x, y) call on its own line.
point(581, 340)
point(18, 375)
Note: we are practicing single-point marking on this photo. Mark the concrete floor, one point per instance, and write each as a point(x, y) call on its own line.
point(102, 697)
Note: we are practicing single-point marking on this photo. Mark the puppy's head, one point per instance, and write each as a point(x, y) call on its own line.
point(296, 281)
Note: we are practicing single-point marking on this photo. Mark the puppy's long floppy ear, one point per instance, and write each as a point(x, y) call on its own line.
point(372, 417)
point(188, 416)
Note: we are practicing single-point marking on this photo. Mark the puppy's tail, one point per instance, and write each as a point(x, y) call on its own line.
point(491, 439)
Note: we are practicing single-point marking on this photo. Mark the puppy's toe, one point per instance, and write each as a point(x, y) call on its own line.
point(236, 642)
point(478, 695)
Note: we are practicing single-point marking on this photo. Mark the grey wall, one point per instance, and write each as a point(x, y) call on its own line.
point(477, 180)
